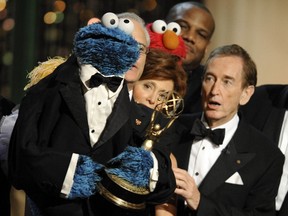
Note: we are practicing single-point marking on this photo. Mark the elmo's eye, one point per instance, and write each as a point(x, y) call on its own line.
point(110, 20)
point(126, 25)
point(173, 26)
point(159, 26)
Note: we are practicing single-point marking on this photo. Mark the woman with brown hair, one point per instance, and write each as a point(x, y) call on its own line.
point(162, 73)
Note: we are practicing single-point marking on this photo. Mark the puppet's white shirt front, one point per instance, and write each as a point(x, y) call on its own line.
point(99, 103)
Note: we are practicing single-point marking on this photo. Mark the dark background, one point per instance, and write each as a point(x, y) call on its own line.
point(25, 38)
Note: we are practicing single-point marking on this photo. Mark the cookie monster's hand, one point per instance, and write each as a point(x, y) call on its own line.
point(85, 178)
point(132, 165)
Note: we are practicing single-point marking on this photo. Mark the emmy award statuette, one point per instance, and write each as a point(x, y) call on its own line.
point(118, 186)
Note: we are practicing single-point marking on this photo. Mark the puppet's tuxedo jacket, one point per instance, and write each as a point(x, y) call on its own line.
point(265, 111)
point(243, 180)
point(52, 124)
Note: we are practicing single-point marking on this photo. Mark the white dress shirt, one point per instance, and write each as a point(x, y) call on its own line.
point(204, 153)
point(99, 103)
point(283, 146)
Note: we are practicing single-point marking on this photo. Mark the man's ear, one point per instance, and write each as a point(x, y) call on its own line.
point(246, 94)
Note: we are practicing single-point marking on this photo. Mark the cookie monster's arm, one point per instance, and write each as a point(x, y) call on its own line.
point(166, 183)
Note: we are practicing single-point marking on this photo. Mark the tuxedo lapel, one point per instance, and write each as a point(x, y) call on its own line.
point(229, 162)
point(273, 125)
point(118, 117)
point(185, 144)
point(283, 100)
point(182, 150)
point(185, 159)
point(67, 74)
point(284, 208)
point(272, 111)
point(76, 104)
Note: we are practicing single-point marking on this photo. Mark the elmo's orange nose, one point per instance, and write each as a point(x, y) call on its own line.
point(170, 40)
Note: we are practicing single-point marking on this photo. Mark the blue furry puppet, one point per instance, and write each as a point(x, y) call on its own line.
point(52, 150)
point(112, 52)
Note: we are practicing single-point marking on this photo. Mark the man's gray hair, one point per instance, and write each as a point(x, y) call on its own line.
point(133, 16)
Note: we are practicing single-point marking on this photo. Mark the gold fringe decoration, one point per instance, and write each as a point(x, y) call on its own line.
point(43, 70)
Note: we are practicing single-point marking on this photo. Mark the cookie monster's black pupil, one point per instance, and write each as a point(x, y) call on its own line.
point(112, 21)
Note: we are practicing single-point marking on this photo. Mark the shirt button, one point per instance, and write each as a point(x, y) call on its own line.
point(92, 131)
point(203, 147)
point(196, 173)
point(99, 103)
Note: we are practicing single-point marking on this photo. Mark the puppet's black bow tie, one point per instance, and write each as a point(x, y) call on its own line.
point(111, 82)
point(200, 131)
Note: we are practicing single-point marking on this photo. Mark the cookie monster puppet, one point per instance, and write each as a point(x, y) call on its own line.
point(130, 177)
point(112, 52)
point(42, 143)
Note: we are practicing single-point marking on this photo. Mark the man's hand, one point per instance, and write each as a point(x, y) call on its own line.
point(187, 188)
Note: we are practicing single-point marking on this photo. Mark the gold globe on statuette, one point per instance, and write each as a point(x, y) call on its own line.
point(171, 108)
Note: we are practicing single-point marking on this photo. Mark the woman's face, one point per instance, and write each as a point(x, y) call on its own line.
point(152, 92)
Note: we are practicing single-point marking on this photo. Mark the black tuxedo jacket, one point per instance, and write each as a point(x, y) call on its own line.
point(192, 98)
point(265, 111)
point(5, 106)
point(5, 109)
point(253, 156)
point(52, 124)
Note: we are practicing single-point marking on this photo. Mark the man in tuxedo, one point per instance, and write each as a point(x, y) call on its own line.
point(197, 27)
point(68, 129)
point(267, 110)
point(226, 166)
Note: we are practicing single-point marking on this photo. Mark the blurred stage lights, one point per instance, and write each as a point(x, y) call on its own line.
point(2, 4)
point(8, 24)
point(53, 17)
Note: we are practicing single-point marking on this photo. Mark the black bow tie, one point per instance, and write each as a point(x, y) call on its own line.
point(111, 82)
point(200, 131)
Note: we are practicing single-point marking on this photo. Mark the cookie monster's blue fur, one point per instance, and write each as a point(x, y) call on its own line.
point(133, 165)
point(85, 178)
point(110, 50)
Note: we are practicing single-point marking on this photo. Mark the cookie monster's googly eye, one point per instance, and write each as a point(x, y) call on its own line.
point(159, 26)
point(175, 27)
point(126, 25)
point(110, 20)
